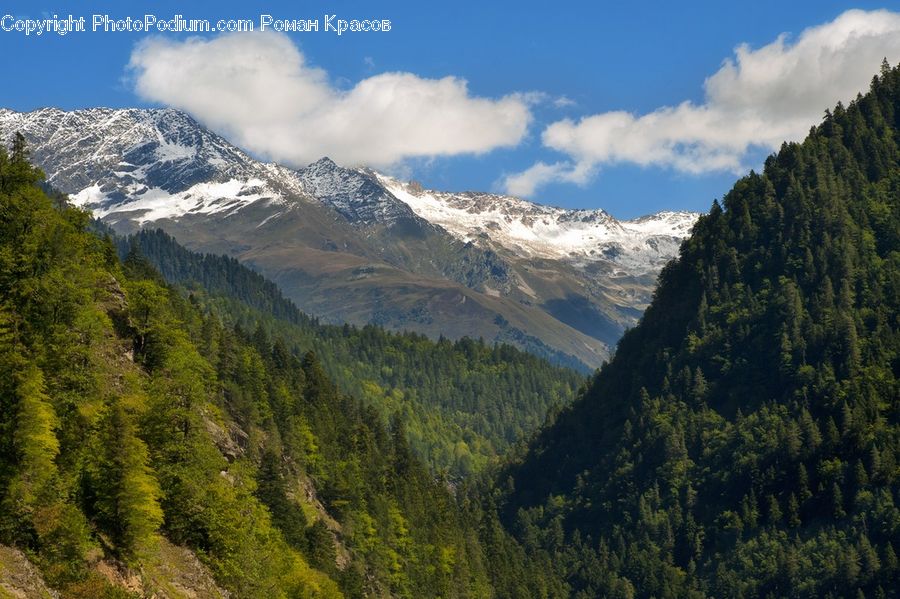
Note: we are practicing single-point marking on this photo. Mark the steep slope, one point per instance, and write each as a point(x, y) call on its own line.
point(104, 411)
point(584, 267)
point(345, 248)
point(19, 579)
point(744, 440)
point(148, 450)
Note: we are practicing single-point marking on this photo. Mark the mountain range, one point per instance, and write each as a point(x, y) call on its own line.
point(354, 245)
point(743, 441)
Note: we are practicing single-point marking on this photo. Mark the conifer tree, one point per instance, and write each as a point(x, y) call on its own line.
point(127, 492)
point(36, 448)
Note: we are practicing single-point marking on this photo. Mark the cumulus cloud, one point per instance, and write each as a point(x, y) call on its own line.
point(259, 90)
point(525, 183)
point(757, 99)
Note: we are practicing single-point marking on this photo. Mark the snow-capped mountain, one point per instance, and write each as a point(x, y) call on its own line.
point(145, 165)
point(354, 245)
point(534, 230)
point(357, 194)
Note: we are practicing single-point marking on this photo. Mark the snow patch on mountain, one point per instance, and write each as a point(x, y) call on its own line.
point(538, 231)
point(146, 165)
point(154, 204)
point(170, 152)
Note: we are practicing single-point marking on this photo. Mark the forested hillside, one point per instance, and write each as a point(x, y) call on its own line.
point(134, 425)
point(465, 403)
point(745, 439)
point(166, 431)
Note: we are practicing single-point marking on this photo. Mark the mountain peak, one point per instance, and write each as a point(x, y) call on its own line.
point(324, 162)
point(357, 194)
point(150, 164)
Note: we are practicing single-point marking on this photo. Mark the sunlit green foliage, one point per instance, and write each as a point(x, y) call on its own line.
point(132, 413)
point(105, 404)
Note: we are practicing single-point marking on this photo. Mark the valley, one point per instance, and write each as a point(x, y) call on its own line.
point(352, 245)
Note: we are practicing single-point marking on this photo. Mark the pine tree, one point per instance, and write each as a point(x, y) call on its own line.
point(19, 150)
point(803, 483)
point(837, 501)
point(793, 511)
point(36, 448)
point(127, 493)
point(321, 546)
point(16, 171)
point(774, 510)
point(272, 491)
point(890, 558)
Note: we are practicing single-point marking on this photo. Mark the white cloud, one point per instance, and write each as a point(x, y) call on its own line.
point(525, 183)
point(760, 98)
point(258, 89)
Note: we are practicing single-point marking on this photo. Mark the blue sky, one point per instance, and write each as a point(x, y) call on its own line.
point(598, 56)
